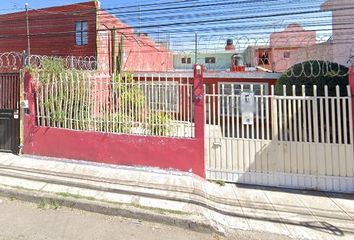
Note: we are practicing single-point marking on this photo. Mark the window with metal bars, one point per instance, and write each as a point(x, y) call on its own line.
point(81, 33)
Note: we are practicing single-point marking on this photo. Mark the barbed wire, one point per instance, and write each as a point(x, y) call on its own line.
point(15, 61)
point(276, 52)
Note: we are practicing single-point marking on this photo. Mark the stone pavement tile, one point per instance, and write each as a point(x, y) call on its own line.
point(329, 218)
point(286, 202)
point(21, 183)
point(294, 215)
point(229, 221)
point(170, 181)
point(323, 207)
point(258, 211)
point(6, 158)
point(87, 193)
point(212, 190)
point(162, 204)
point(252, 198)
point(345, 202)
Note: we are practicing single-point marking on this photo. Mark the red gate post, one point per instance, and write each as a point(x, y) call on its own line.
point(199, 121)
point(29, 118)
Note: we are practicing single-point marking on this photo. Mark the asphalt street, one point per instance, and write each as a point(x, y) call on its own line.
point(27, 221)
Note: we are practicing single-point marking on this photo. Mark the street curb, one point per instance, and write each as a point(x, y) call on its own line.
point(111, 209)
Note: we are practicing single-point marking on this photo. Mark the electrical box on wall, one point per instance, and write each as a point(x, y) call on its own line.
point(24, 104)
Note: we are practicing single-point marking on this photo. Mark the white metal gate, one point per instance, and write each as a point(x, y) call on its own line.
point(295, 141)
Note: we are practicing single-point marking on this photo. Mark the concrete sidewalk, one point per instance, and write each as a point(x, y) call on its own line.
point(179, 198)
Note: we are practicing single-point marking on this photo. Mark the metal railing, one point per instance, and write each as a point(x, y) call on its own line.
point(115, 104)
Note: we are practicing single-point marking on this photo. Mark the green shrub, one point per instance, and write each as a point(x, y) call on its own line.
point(122, 123)
point(312, 73)
point(159, 123)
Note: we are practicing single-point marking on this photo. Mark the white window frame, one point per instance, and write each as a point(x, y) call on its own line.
point(81, 33)
point(188, 60)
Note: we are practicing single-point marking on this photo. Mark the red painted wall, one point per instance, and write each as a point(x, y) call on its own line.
point(116, 149)
point(162, 152)
point(52, 30)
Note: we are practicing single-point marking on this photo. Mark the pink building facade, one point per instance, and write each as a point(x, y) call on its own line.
point(342, 30)
point(284, 46)
point(140, 52)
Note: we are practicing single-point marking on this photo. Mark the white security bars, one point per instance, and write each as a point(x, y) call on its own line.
point(293, 141)
point(128, 104)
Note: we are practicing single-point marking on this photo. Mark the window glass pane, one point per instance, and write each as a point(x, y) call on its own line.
point(84, 26)
point(78, 38)
point(85, 38)
point(78, 33)
point(81, 33)
point(189, 60)
point(78, 26)
point(210, 60)
point(286, 54)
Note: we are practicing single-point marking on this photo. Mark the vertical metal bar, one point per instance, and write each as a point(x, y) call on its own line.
point(262, 113)
point(304, 127)
point(233, 108)
point(242, 125)
point(147, 98)
point(350, 115)
point(345, 123)
point(268, 123)
point(94, 100)
point(309, 118)
point(280, 120)
point(322, 124)
point(285, 118)
point(339, 118)
point(328, 125)
point(315, 114)
point(223, 109)
point(295, 115)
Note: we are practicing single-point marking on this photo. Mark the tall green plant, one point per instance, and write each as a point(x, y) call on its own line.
point(63, 94)
point(159, 123)
point(120, 55)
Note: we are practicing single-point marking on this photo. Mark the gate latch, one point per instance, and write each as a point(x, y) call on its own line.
point(16, 114)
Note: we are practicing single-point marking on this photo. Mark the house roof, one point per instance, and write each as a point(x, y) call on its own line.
point(330, 5)
point(74, 9)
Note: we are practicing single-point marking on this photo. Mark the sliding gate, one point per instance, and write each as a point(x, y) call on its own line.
point(9, 112)
point(303, 142)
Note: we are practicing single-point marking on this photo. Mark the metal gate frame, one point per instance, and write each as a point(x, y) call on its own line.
point(10, 112)
point(276, 151)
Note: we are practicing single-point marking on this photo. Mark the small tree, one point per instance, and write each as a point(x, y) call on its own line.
point(312, 73)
